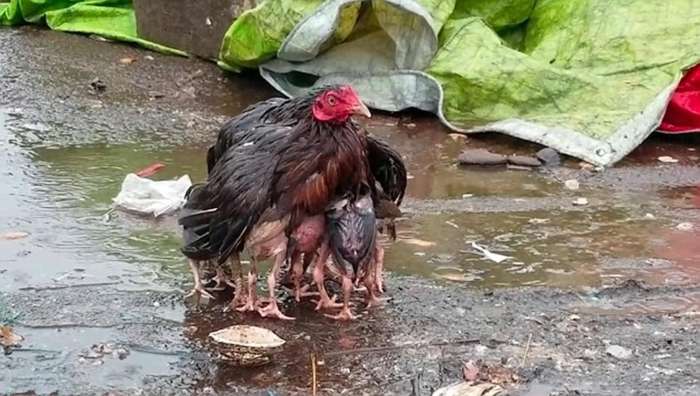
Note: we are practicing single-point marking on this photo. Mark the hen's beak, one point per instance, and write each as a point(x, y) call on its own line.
point(361, 109)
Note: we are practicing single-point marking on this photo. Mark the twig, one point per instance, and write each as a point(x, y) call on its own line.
point(527, 349)
point(33, 288)
point(405, 346)
point(313, 374)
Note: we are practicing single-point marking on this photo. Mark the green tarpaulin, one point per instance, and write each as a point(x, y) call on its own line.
point(590, 78)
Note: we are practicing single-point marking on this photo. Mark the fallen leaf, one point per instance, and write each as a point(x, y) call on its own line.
point(571, 184)
point(470, 371)
point(8, 236)
point(127, 60)
point(150, 170)
point(419, 242)
point(668, 160)
point(8, 338)
point(469, 389)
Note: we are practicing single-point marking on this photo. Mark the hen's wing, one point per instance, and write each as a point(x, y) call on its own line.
point(242, 128)
point(237, 192)
point(387, 168)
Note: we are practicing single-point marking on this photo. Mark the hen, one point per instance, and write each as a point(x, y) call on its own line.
point(261, 189)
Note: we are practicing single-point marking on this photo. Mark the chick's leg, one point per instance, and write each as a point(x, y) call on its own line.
point(271, 309)
point(319, 277)
point(198, 289)
point(299, 268)
point(345, 313)
point(234, 263)
point(379, 268)
point(251, 301)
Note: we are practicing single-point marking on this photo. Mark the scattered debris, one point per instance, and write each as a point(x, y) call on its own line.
point(618, 352)
point(524, 160)
point(549, 157)
point(457, 137)
point(465, 196)
point(649, 216)
point(518, 167)
point(495, 257)
point(418, 242)
point(8, 338)
point(571, 184)
point(150, 197)
point(538, 221)
point(467, 389)
point(586, 166)
point(149, 57)
point(667, 160)
point(481, 157)
point(150, 170)
point(155, 94)
point(127, 60)
point(12, 235)
point(246, 345)
point(680, 227)
point(580, 201)
point(97, 86)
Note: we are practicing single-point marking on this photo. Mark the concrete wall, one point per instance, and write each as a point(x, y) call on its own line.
point(193, 26)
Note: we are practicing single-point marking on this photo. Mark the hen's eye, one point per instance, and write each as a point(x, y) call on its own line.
point(331, 100)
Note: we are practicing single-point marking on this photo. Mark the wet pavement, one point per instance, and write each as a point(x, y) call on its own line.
point(86, 276)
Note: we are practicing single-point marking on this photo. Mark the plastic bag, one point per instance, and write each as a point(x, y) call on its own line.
point(151, 197)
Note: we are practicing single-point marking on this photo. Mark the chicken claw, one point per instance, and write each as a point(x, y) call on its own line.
point(344, 314)
point(198, 291)
point(324, 302)
point(273, 311)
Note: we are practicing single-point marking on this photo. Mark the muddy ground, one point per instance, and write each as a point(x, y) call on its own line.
point(622, 270)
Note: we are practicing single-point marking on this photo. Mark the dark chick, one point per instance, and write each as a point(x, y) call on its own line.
point(352, 231)
point(260, 190)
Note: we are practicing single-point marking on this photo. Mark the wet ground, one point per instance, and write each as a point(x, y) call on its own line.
point(621, 270)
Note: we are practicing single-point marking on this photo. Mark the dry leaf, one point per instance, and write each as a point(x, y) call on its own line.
point(127, 60)
point(668, 160)
point(9, 338)
point(470, 371)
point(7, 236)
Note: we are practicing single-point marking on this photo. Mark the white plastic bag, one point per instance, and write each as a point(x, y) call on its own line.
point(151, 197)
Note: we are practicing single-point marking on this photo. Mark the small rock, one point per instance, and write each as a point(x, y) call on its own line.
point(524, 160)
point(574, 317)
point(580, 201)
point(618, 352)
point(572, 184)
point(667, 160)
point(685, 227)
point(148, 57)
point(481, 157)
point(97, 85)
point(410, 125)
point(586, 166)
point(465, 196)
point(649, 216)
point(457, 137)
point(156, 304)
point(589, 353)
point(538, 221)
point(549, 157)
point(120, 353)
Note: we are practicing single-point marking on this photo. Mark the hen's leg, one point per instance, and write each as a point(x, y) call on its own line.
point(222, 280)
point(234, 263)
point(251, 301)
point(271, 309)
point(345, 313)
point(198, 289)
point(299, 269)
point(319, 276)
point(379, 268)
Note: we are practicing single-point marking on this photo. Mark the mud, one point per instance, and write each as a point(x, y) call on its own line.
point(618, 271)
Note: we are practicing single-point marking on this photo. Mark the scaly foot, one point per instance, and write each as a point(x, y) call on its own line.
point(273, 311)
point(324, 302)
point(301, 292)
point(198, 291)
point(344, 314)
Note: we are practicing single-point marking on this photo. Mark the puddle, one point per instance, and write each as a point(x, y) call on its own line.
point(50, 356)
